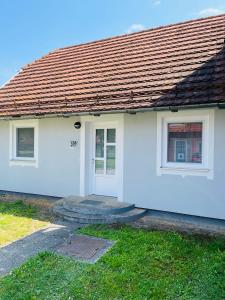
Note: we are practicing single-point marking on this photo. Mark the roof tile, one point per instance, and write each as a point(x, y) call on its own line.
point(179, 64)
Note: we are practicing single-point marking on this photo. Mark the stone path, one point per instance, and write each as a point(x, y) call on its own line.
point(47, 239)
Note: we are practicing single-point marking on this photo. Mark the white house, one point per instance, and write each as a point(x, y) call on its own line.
point(140, 117)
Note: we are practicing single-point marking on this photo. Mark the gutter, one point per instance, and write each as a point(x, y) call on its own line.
point(129, 111)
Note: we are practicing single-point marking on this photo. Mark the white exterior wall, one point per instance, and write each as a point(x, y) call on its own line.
point(193, 195)
point(58, 171)
point(58, 168)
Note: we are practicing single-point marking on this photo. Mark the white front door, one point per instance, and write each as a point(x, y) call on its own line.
point(105, 180)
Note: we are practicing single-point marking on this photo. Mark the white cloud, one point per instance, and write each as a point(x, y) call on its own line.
point(210, 12)
point(156, 2)
point(135, 28)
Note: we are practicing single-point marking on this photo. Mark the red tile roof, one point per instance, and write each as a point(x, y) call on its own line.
point(181, 64)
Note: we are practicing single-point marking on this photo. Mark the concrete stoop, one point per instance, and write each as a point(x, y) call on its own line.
point(94, 209)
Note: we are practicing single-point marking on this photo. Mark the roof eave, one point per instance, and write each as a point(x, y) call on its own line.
point(176, 108)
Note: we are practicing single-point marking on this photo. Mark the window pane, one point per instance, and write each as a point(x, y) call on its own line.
point(110, 160)
point(99, 143)
point(111, 135)
point(185, 142)
point(99, 166)
point(25, 142)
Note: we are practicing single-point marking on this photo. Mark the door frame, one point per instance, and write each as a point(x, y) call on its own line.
point(86, 150)
point(94, 176)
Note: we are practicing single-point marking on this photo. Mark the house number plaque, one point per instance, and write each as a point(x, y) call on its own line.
point(73, 144)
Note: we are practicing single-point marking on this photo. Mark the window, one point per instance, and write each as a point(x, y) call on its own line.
point(185, 142)
point(24, 140)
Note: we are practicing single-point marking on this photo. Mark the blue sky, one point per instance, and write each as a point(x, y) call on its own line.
point(31, 28)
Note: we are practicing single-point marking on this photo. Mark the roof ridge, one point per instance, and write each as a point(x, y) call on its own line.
point(139, 32)
point(123, 35)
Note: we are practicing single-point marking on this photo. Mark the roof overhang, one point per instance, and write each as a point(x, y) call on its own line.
point(128, 111)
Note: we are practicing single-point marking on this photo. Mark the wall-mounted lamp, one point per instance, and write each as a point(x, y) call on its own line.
point(77, 125)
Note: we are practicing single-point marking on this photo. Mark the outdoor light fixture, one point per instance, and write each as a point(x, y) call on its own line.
point(77, 125)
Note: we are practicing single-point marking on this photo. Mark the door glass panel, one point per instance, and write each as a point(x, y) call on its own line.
point(99, 147)
point(99, 166)
point(110, 160)
point(111, 135)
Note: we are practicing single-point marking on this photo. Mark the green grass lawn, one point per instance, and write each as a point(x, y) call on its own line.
point(17, 220)
point(141, 265)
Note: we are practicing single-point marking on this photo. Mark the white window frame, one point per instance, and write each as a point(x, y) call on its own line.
point(206, 117)
point(14, 160)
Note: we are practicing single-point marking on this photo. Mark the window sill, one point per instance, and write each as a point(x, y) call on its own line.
point(23, 162)
point(186, 171)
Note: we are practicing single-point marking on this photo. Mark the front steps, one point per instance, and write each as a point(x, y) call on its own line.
point(94, 209)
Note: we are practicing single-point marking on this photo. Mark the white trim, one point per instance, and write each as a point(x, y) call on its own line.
point(82, 158)
point(23, 161)
point(184, 169)
point(120, 160)
point(86, 123)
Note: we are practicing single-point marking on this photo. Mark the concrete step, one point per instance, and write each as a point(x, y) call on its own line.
point(124, 217)
point(96, 205)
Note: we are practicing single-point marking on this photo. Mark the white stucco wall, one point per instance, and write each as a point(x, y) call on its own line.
point(58, 172)
point(58, 165)
point(191, 194)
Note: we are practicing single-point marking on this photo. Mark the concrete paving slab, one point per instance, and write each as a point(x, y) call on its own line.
point(85, 248)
